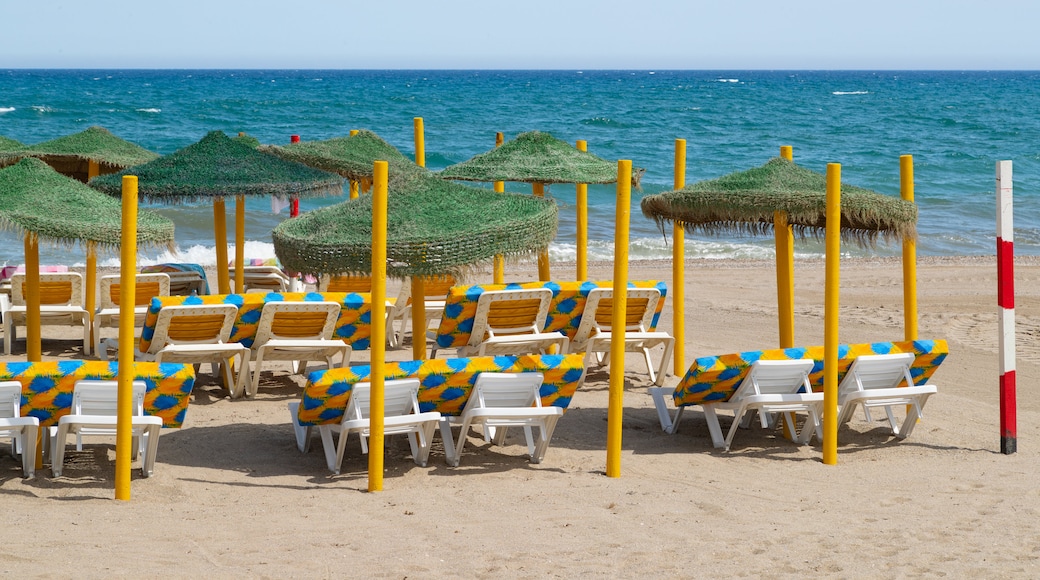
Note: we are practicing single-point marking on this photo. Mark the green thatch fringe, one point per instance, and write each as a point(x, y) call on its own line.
point(95, 144)
point(434, 227)
point(536, 157)
point(218, 166)
point(34, 198)
point(352, 157)
point(745, 203)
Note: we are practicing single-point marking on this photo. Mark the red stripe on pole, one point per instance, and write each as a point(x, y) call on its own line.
point(1005, 273)
point(1008, 419)
point(294, 138)
point(294, 208)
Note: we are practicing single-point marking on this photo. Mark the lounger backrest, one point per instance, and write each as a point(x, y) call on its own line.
point(93, 397)
point(400, 397)
point(598, 315)
point(10, 399)
point(56, 289)
point(507, 390)
point(776, 377)
point(299, 320)
point(345, 283)
point(878, 371)
point(270, 278)
point(505, 312)
point(193, 324)
point(146, 287)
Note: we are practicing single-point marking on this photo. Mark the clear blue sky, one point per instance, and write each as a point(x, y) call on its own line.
point(642, 34)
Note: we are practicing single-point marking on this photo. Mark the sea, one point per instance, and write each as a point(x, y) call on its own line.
point(956, 124)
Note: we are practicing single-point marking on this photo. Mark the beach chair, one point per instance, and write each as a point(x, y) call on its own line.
point(61, 304)
point(146, 286)
point(263, 279)
point(94, 408)
point(196, 334)
point(401, 416)
point(873, 381)
point(594, 332)
point(297, 332)
point(22, 431)
point(511, 322)
point(436, 289)
point(344, 283)
point(500, 401)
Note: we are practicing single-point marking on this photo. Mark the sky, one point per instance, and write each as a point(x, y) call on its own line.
point(522, 34)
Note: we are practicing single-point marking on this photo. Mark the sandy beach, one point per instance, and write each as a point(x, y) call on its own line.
point(232, 497)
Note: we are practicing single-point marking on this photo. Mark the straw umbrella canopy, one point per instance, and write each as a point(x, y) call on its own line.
point(93, 151)
point(8, 150)
point(217, 167)
point(537, 158)
point(351, 157)
point(747, 201)
point(434, 227)
point(40, 203)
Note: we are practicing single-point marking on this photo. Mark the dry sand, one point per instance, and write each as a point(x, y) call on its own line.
point(232, 497)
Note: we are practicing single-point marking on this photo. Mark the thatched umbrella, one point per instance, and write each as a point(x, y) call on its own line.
point(749, 201)
point(351, 157)
point(536, 158)
point(91, 152)
point(218, 167)
point(40, 203)
point(434, 227)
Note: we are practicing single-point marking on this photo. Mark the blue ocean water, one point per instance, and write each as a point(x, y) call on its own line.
point(957, 125)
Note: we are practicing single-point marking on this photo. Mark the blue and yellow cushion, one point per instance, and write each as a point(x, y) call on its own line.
point(47, 386)
point(715, 378)
point(445, 384)
point(565, 309)
point(354, 326)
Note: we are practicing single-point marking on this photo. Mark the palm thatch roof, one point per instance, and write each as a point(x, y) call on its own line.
point(536, 157)
point(219, 166)
point(352, 157)
point(96, 144)
point(744, 202)
point(35, 198)
point(9, 151)
point(434, 227)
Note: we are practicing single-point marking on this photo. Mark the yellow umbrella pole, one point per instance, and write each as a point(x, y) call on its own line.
point(418, 318)
point(420, 142)
point(33, 348)
point(90, 298)
point(127, 294)
point(220, 241)
point(376, 379)
point(240, 243)
point(679, 268)
point(784, 237)
point(353, 182)
point(581, 195)
point(615, 403)
point(906, 191)
point(498, 271)
point(830, 315)
point(538, 189)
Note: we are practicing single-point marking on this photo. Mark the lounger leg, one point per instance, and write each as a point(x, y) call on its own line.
point(658, 394)
point(650, 367)
point(148, 461)
point(58, 450)
point(333, 457)
point(662, 372)
point(303, 434)
point(28, 439)
point(914, 413)
point(546, 432)
point(449, 443)
point(714, 429)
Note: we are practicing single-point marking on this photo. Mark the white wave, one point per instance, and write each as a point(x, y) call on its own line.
point(42, 109)
point(851, 93)
point(727, 80)
point(153, 110)
point(6, 110)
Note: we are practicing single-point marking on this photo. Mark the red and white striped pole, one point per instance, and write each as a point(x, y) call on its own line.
point(294, 207)
point(1006, 301)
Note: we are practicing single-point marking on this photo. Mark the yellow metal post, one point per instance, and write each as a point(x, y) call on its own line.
point(125, 373)
point(538, 189)
point(33, 348)
point(784, 239)
point(93, 169)
point(582, 201)
point(679, 268)
point(906, 191)
point(90, 294)
point(615, 404)
point(420, 142)
point(498, 271)
point(378, 343)
point(353, 182)
point(830, 315)
point(418, 318)
point(220, 241)
point(240, 244)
